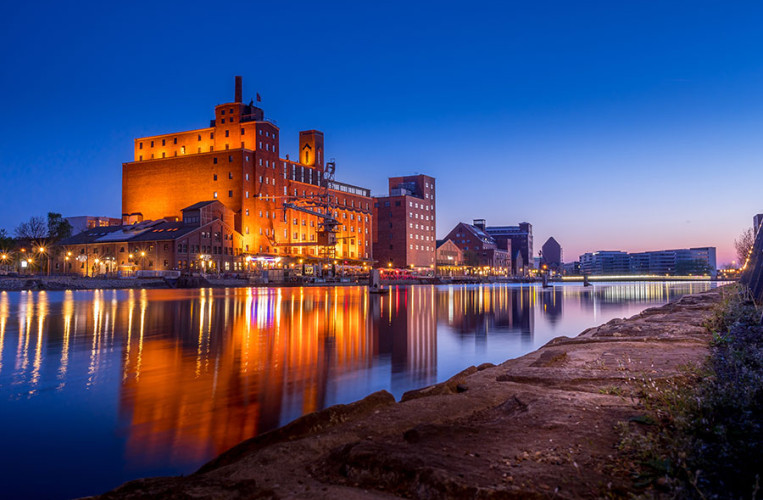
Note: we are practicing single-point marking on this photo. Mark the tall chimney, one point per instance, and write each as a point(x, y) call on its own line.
point(238, 90)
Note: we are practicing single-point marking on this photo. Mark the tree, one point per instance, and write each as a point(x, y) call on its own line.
point(743, 245)
point(32, 230)
point(58, 227)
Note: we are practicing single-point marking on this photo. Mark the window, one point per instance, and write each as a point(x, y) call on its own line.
point(227, 132)
point(223, 121)
point(164, 155)
point(214, 195)
point(214, 177)
point(223, 112)
point(198, 138)
point(152, 144)
point(164, 142)
point(247, 194)
point(214, 160)
point(230, 160)
point(247, 211)
point(230, 194)
point(242, 131)
point(140, 145)
point(175, 140)
point(211, 135)
point(247, 176)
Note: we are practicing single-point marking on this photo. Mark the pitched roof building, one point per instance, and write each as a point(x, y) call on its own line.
point(203, 240)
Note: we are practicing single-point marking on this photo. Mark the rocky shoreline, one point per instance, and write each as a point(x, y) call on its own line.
point(540, 426)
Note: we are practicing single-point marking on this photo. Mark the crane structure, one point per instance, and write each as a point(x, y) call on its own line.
point(320, 206)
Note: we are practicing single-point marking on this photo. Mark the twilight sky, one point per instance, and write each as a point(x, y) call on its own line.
point(609, 125)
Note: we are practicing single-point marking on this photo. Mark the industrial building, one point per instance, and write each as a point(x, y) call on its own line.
point(283, 208)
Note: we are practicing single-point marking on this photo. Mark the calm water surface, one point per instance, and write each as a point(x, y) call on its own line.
point(100, 387)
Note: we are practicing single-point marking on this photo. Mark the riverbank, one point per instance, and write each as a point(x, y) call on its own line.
point(21, 283)
point(546, 424)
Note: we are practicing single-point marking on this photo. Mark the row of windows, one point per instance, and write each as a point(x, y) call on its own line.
point(426, 238)
point(175, 140)
point(413, 204)
point(230, 194)
point(412, 215)
point(423, 247)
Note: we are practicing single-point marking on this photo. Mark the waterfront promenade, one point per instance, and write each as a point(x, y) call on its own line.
point(542, 425)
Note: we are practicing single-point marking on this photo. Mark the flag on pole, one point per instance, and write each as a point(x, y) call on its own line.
point(259, 98)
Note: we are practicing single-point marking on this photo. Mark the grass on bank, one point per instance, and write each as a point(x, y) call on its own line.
point(702, 434)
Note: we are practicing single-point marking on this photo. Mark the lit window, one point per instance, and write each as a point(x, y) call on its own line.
point(214, 195)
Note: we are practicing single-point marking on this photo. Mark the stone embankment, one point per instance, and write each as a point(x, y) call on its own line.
point(540, 426)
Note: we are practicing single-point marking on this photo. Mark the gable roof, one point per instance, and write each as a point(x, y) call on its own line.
point(199, 205)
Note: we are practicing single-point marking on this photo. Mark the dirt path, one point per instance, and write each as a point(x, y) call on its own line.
point(540, 426)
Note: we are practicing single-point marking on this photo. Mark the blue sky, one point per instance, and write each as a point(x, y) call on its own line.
point(608, 125)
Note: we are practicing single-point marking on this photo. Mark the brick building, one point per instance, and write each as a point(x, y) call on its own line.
point(479, 249)
point(204, 239)
point(404, 223)
point(516, 239)
point(450, 258)
point(236, 161)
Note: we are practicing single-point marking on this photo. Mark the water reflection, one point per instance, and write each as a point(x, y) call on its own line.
point(172, 378)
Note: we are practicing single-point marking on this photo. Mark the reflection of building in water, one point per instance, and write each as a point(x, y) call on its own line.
point(606, 296)
point(405, 328)
point(482, 309)
point(550, 303)
point(227, 368)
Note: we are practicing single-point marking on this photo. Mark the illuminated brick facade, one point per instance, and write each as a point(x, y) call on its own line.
point(203, 239)
point(236, 161)
point(404, 223)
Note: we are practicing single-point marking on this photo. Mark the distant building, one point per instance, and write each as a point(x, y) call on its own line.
point(571, 268)
point(480, 249)
point(404, 223)
point(682, 261)
point(551, 255)
point(605, 262)
point(518, 240)
point(203, 240)
point(85, 222)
